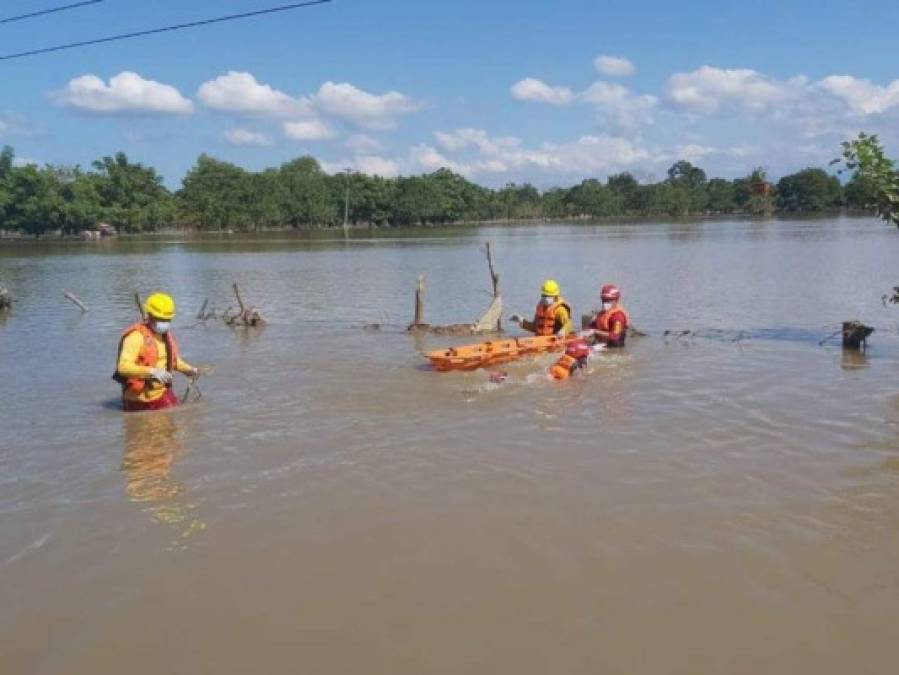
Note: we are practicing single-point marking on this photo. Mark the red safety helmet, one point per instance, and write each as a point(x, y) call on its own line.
point(578, 349)
point(610, 293)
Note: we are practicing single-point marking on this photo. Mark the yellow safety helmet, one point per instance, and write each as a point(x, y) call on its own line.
point(550, 288)
point(160, 306)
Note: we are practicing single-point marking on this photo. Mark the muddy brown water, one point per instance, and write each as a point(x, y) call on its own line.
point(722, 504)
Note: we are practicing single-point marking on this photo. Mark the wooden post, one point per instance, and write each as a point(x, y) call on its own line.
point(346, 208)
point(71, 297)
point(494, 278)
point(419, 301)
point(140, 307)
point(243, 308)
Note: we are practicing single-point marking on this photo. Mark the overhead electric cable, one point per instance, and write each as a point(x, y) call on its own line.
point(52, 10)
point(165, 29)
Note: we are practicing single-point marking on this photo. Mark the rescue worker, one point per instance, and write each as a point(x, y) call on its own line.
point(148, 359)
point(611, 324)
point(552, 316)
point(574, 358)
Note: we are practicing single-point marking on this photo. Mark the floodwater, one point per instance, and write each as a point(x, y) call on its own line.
point(724, 502)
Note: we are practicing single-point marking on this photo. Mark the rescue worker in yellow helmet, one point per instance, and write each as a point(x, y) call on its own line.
point(149, 358)
point(553, 313)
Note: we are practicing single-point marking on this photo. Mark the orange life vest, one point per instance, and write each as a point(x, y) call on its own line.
point(603, 320)
point(148, 355)
point(545, 317)
point(564, 367)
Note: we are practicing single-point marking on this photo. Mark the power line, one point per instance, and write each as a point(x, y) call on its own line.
point(165, 29)
point(52, 10)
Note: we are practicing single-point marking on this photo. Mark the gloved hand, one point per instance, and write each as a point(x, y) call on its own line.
point(162, 375)
point(515, 318)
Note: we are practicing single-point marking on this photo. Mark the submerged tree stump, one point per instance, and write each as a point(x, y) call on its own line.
point(247, 316)
point(855, 334)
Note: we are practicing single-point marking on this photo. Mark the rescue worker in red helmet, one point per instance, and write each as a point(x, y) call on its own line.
point(148, 359)
point(553, 313)
point(574, 358)
point(611, 324)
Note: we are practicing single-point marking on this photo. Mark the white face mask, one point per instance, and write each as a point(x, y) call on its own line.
point(547, 300)
point(162, 327)
point(606, 305)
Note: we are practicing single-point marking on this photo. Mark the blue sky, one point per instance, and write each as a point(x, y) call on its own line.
point(550, 92)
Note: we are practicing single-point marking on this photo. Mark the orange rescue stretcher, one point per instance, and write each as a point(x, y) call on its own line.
point(486, 354)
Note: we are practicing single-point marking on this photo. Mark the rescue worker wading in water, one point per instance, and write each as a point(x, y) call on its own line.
point(611, 324)
point(552, 316)
point(149, 358)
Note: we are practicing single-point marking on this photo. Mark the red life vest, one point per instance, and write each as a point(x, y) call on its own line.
point(148, 355)
point(604, 321)
point(545, 320)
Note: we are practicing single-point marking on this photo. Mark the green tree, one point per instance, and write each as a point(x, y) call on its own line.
point(688, 194)
point(722, 195)
point(625, 189)
point(309, 196)
point(132, 196)
point(877, 174)
point(761, 200)
point(809, 190)
point(7, 158)
point(216, 195)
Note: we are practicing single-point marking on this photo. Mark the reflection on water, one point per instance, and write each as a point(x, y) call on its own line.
point(852, 359)
point(152, 446)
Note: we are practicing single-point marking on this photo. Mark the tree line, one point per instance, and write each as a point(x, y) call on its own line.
point(217, 195)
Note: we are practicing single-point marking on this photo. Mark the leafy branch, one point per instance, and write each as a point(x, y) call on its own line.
point(865, 156)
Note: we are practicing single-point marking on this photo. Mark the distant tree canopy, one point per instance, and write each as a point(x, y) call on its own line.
point(809, 190)
point(217, 195)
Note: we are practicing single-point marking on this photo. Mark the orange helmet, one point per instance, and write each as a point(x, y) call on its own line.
point(610, 293)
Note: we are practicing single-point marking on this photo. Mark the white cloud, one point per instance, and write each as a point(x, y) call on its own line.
point(616, 102)
point(460, 139)
point(427, 158)
point(614, 66)
point(371, 111)
point(708, 88)
point(240, 92)
point(308, 130)
point(363, 144)
point(372, 165)
point(531, 89)
point(246, 137)
point(587, 155)
point(862, 96)
point(377, 166)
point(624, 107)
point(126, 93)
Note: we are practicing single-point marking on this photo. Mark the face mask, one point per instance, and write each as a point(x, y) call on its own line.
point(606, 305)
point(546, 300)
point(162, 327)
